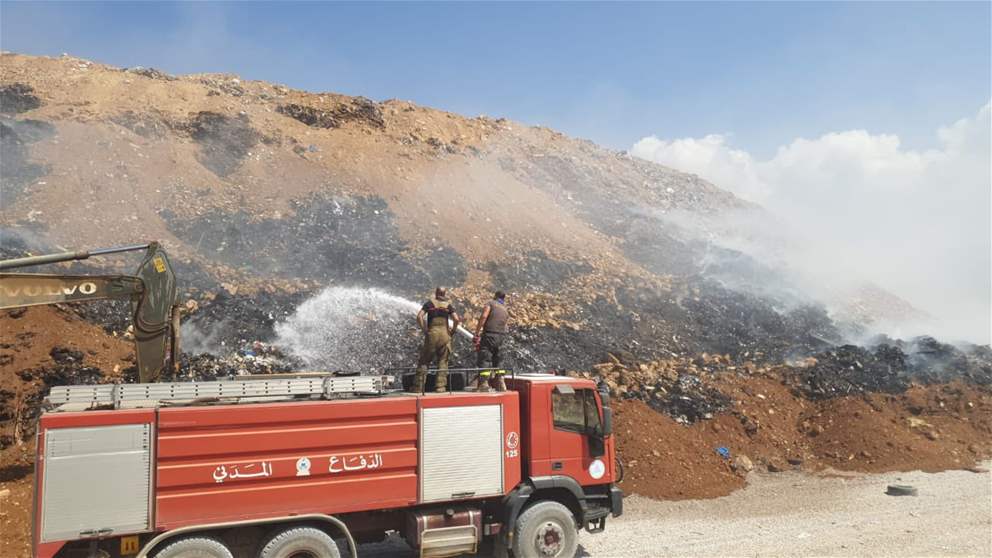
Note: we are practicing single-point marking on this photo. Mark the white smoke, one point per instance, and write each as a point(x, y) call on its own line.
point(915, 222)
point(206, 338)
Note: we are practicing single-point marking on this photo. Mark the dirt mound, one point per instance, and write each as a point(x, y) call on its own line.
point(42, 347)
point(928, 428)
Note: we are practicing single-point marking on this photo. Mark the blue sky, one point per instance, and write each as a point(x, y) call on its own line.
point(614, 73)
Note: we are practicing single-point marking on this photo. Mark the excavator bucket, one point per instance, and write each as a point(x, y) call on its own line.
point(154, 314)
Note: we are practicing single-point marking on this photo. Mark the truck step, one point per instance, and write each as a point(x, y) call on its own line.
point(595, 518)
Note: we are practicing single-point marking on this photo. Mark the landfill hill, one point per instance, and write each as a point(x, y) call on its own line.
point(282, 207)
point(264, 195)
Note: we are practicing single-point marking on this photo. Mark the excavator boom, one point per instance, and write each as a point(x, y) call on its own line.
point(30, 289)
point(152, 291)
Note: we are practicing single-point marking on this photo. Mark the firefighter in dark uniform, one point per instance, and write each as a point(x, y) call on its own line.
point(490, 333)
point(433, 319)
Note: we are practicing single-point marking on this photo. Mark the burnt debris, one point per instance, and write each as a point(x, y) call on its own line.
point(224, 141)
point(332, 239)
point(18, 172)
point(150, 73)
point(358, 110)
point(145, 125)
point(890, 368)
point(17, 98)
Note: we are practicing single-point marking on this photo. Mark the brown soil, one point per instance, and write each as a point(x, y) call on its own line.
point(27, 337)
point(25, 342)
point(930, 428)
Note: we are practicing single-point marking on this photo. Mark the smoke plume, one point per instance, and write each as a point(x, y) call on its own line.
point(862, 209)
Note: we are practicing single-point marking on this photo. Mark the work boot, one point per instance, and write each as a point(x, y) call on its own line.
point(418, 381)
point(483, 382)
point(500, 382)
point(441, 385)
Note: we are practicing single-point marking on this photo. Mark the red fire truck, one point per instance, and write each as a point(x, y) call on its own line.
point(282, 467)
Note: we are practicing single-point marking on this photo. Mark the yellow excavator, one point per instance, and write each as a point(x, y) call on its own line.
point(152, 291)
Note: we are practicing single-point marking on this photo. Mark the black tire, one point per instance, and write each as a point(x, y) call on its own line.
point(195, 547)
point(300, 542)
point(545, 530)
point(900, 490)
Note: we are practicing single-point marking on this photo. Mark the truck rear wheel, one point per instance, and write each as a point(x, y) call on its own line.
point(195, 547)
point(300, 542)
point(545, 530)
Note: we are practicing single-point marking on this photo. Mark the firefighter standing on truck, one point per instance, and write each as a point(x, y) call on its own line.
point(433, 319)
point(490, 333)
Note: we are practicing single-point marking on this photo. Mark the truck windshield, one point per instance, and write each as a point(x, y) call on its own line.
point(576, 411)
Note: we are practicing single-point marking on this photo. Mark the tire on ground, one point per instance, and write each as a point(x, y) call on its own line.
point(194, 547)
point(300, 541)
point(545, 530)
point(900, 490)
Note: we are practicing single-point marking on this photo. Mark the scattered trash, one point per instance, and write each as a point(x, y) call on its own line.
point(724, 452)
point(742, 463)
point(359, 109)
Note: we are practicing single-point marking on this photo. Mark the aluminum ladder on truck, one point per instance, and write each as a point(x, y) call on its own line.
point(256, 389)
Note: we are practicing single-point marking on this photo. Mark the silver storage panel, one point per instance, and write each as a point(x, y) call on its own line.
point(96, 478)
point(461, 452)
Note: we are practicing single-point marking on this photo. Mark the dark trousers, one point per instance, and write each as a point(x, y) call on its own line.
point(489, 345)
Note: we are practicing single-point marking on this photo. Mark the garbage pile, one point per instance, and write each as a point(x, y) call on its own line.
point(889, 367)
point(851, 369)
point(260, 358)
point(226, 324)
point(150, 73)
point(931, 361)
point(360, 110)
point(678, 387)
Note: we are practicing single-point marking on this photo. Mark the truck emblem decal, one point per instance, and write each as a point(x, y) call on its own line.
point(221, 473)
point(303, 467)
point(597, 469)
point(512, 440)
point(355, 462)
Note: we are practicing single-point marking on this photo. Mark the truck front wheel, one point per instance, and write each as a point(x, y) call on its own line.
point(545, 530)
point(300, 542)
point(195, 547)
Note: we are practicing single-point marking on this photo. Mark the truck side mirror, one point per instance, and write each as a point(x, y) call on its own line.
point(607, 421)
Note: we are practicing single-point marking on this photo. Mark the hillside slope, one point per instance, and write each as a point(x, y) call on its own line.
point(267, 195)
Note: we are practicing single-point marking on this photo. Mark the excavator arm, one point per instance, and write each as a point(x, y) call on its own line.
point(152, 291)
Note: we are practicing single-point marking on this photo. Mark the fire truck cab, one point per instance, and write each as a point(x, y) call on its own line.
point(292, 467)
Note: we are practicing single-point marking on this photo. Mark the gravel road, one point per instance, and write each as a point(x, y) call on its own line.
point(793, 514)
